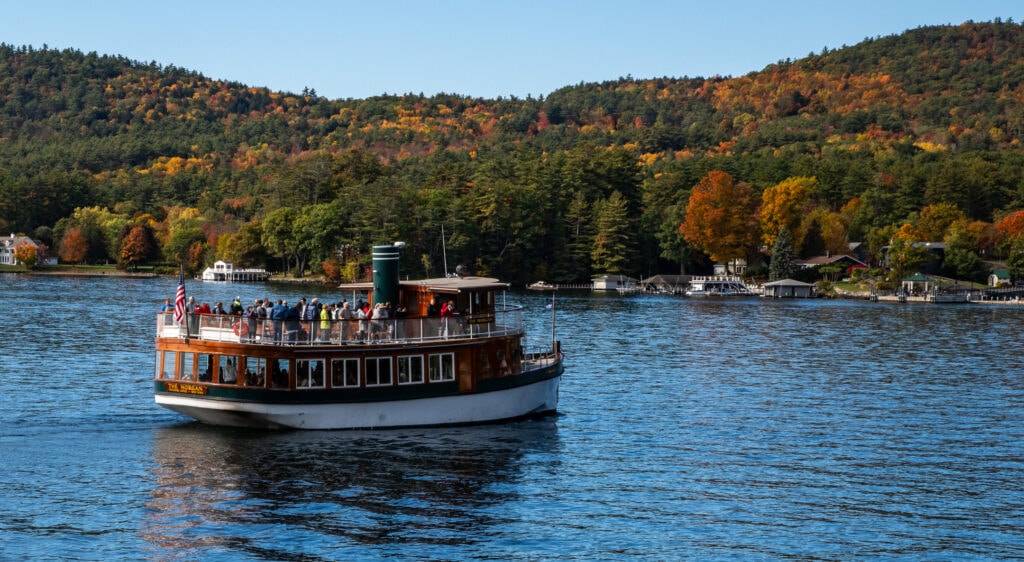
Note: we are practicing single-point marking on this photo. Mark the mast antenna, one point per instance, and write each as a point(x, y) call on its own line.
point(444, 251)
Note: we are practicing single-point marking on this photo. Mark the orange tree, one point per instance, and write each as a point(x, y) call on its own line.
point(73, 247)
point(25, 252)
point(136, 246)
point(1010, 229)
point(721, 218)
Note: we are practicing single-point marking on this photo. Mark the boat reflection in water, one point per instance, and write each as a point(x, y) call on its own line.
point(278, 495)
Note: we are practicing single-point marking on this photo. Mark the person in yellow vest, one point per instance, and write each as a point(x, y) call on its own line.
point(325, 324)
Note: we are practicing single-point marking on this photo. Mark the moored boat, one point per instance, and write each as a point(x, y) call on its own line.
point(225, 271)
point(412, 368)
point(718, 286)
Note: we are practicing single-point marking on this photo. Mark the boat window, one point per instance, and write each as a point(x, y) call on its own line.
point(378, 371)
point(165, 364)
point(442, 367)
point(255, 371)
point(206, 365)
point(278, 373)
point(186, 366)
point(503, 366)
point(344, 373)
point(227, 369)
point(309, 373)
point(485, 363)
point(410, 369)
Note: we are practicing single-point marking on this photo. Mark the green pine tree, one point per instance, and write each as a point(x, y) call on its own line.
point(613, 244)
point(782, 265)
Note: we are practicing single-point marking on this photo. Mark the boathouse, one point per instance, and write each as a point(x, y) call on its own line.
point(788, 289)
point(670, 284)
point(614, 283)
point(998, 278)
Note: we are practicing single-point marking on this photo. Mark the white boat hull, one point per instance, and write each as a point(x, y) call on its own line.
point(511, 403)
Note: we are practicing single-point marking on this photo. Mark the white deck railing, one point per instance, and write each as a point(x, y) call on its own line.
point(238, 329)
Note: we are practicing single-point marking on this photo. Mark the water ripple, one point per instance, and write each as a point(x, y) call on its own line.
point(687, 429)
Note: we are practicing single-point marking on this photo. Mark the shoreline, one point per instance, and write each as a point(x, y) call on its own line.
point(147, 275)
point(86, 273)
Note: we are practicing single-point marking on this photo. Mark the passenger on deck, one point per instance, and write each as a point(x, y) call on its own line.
point(291, 317)
point(236, 307)
point(325, 323)
point(363, 314)
point(345, 317)
point(251, 316)
point(193, 319)
point(310, 314)
point(378, 327)
point(277, 317)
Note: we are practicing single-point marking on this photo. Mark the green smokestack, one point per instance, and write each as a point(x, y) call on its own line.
point(385, 273)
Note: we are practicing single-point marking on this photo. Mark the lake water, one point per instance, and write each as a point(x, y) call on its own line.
point(687, 429)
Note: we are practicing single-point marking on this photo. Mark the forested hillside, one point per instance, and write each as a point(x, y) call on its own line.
point(913, 137)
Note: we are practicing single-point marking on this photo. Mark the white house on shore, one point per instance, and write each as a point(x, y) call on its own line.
point(9, 243)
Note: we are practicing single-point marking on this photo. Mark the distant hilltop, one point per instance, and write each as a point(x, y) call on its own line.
point(523, 188)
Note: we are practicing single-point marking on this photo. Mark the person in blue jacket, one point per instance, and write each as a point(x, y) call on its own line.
point(291, 316)
point(277, 313)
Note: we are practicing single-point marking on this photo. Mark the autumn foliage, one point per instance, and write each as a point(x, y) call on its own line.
point(26, 254)
point(73, 246)
point(921, 128)
point(783, 205)
point(721, 218)
point(1012, 225)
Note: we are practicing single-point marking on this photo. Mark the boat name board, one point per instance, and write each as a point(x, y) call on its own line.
point(186, 388)
point(480, 320)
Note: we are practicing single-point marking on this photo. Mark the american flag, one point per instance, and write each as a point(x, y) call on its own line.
point(179, 299)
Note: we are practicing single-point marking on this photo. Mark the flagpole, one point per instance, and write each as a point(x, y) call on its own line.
point(179, 301)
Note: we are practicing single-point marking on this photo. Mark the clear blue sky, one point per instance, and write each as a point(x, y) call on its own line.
point(487, 49)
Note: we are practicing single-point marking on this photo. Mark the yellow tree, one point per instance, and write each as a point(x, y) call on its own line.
point(905, 253)
point(829, 229)
point(934, 221)
point(782, 206)
point(721, 217)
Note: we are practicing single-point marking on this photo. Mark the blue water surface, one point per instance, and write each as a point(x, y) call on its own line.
point(687, 429)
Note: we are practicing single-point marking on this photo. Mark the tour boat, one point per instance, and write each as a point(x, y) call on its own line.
point(413, 368)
